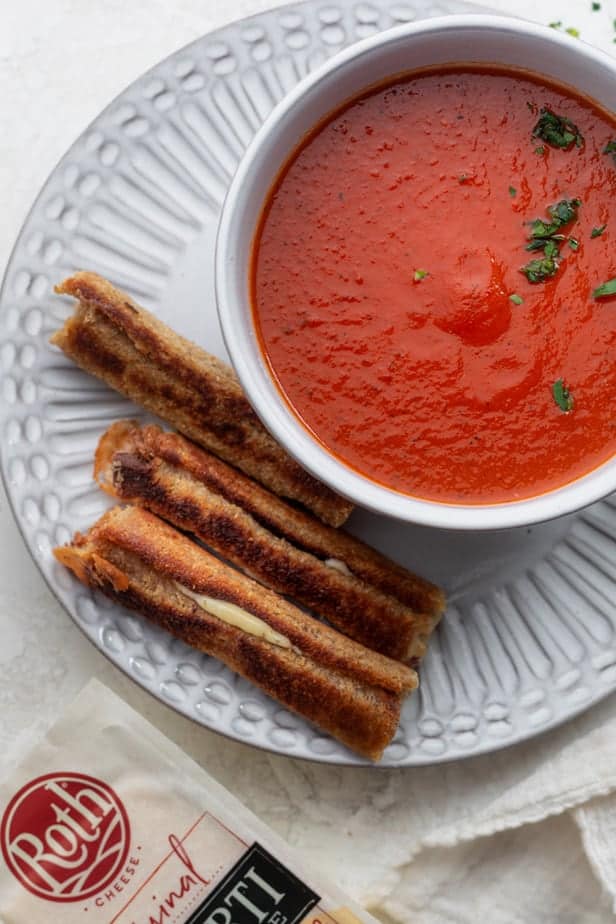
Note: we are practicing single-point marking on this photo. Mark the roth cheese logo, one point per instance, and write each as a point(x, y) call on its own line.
point(65, 836)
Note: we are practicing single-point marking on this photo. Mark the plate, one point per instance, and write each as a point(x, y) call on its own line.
point(529, 637)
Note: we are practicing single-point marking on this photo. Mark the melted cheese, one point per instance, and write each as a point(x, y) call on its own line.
point(338, 565)
point(235, 616)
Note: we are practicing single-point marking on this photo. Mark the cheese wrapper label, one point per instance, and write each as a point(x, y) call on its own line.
point(109, 822)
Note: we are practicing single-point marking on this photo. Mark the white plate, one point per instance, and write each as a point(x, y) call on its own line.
point(529, 638)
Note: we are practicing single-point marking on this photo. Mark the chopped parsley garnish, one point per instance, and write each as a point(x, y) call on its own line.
point(540, 150)
point(420, 274)
point(597, 232)
point(516, 299)
point(595, 7)
point(551, 249)
point(538, 244)
point(610, 148)
point(561, 214)
point(608, 288)
point(562, 396)
point(547, 236)
point(555, 25)
point(513, 192)
point(557, 131)
point(540, 270)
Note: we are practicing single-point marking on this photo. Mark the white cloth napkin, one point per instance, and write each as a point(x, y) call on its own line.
point(525, 835)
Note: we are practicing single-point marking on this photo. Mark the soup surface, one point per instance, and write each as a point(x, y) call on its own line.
point(400, 308)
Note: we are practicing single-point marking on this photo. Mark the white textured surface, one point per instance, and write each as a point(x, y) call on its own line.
point(60, 62)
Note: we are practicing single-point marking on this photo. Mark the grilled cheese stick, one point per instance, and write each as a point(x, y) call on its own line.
point(188, 487)
point(112, 337)
point(139, 561)
point(299, 528)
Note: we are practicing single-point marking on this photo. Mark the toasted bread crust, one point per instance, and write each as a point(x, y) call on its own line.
point(302, 530)
point(144, 465)
point(142, 563)
point(176, 558)
point(115, 339)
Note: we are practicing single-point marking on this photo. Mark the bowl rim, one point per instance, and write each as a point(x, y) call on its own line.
point(277, 414)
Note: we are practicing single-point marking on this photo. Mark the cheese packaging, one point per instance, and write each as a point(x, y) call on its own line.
point(109, 822)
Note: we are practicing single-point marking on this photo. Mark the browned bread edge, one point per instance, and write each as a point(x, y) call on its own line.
point(144, 465)
point(137, 560)
point(114, 338)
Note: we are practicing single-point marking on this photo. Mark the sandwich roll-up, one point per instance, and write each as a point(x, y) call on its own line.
point(117, 340)
point(139, 561)
point(199, 494)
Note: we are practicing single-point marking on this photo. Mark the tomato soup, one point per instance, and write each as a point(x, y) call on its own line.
point(432, 284)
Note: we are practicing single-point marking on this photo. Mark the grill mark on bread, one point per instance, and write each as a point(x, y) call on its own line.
point(378, 622)
point(112, 337)
point(91, 339)
point(298, 527)
point(176, 558)
point(199, 494)
point(90, 346)
point(353, 693)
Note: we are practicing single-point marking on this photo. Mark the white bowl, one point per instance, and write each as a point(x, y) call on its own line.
point(450, 39)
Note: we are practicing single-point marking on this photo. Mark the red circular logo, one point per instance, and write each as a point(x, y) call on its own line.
point(65, 836)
